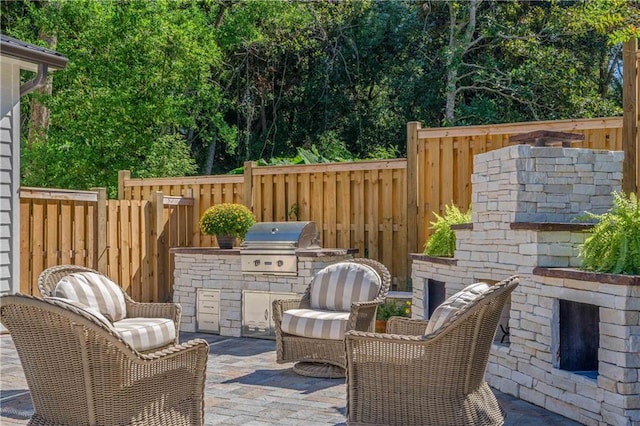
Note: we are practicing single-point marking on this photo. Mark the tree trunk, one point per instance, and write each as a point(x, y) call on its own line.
point(39, 121)
point(460, 41)
point(210, 155)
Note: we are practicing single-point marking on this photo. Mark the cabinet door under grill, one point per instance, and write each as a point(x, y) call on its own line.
point(257, 318)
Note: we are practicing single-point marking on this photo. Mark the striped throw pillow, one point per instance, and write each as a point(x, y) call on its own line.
point(339, 285)
point(146, 333)
point(88, 310)
point(94, 290)
point(455, 303)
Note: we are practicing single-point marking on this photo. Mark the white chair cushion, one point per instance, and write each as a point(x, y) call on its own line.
point(313, 323)
point(88, 310)
point(339, 285)
point(93, 290)
point(146, 333)
point(455, 303)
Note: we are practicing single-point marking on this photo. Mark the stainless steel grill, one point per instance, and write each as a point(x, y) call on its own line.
point(269, 248)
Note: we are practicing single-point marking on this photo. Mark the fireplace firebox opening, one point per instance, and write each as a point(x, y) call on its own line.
point(579, 333)
point(436, 294)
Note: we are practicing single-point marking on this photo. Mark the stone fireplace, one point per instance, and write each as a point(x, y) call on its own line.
point(569, 340)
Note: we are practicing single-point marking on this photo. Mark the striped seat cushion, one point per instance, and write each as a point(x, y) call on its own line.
point(146, 333)
point(313, 323)
point(455, 303)
point(93, 290)
point(87, 310)
point(337, 286)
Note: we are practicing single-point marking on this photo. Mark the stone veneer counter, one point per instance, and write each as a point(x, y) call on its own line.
point(220, 269)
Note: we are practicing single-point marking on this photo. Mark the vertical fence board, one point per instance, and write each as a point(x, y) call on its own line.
point(146, 252)
point(304, 197)
point(66, 219)
point(79, 235)
point(205, 240)
point(317, 203)
point(358, 218)
point(329, 208)
point(125, 245)
point(400, 264)
point(373, 203)
point(386, 216)
point(136, 240)
point(293, 206)
point(447, 170)
point(280, 198)
point(343, 207)
point(422, 164)
point(51, 230)
point(434, 173)
point(267, 205)
point(27, 279)
point(38, 237)
point(113, 267)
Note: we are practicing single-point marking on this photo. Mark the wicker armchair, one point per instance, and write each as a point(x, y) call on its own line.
point(408, 378)
point(81, 373)
point(50, 277)
point(325, 357)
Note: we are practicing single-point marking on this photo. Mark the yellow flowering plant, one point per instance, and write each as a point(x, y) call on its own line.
point(227, 219)
point(393, 308)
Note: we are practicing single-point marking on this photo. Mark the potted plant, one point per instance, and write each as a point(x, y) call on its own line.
point(391, 308)
point(227, 221)
point(614, 244)
point(443, 241)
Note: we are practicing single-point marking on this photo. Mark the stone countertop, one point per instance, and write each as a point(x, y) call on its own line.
point(582, 275)
point(236, 251)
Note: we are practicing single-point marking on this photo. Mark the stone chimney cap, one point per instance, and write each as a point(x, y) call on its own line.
point(546, 138)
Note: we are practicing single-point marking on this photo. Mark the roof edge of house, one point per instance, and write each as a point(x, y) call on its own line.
point(22, 50)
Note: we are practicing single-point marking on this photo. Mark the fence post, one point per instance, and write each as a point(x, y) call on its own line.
point(247, 186)
point(123, 176)
point(630, 172)
point(100, 254)
point(158, 248)
point(412, 187)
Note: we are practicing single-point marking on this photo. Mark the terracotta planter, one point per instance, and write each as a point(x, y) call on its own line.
point(225, 241)
point(381, 326)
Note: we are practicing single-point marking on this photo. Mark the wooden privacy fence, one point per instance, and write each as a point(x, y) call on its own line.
point(355, 205)
point(128, 240)
point(381, 208)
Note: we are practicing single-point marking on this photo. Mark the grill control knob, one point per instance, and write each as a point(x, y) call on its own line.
point(280, 263)
point(256, 262)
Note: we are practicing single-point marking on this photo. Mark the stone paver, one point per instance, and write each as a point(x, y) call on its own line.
point(245, 386)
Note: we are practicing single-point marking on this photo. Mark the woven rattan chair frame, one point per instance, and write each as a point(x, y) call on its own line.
point(437, 379)
point(81, 373)
point(290, 348)
point(51, 276)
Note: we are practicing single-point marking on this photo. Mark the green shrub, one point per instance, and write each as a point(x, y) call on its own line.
point(443, 241)
point(614, 243)
point(393, 308)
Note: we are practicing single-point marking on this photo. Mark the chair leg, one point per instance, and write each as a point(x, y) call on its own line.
point(505, 333)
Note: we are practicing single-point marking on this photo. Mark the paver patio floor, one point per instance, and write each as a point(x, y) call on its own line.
point(245, 386)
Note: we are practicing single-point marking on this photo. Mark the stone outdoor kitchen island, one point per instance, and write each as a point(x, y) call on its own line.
point(218, 297)
point(570, 340)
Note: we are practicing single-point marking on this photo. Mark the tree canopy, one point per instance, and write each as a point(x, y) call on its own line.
point(169, 88)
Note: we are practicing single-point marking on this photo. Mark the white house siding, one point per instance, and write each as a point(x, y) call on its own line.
point(9, 176)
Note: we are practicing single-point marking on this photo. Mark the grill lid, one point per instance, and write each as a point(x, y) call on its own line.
point(278, 235)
